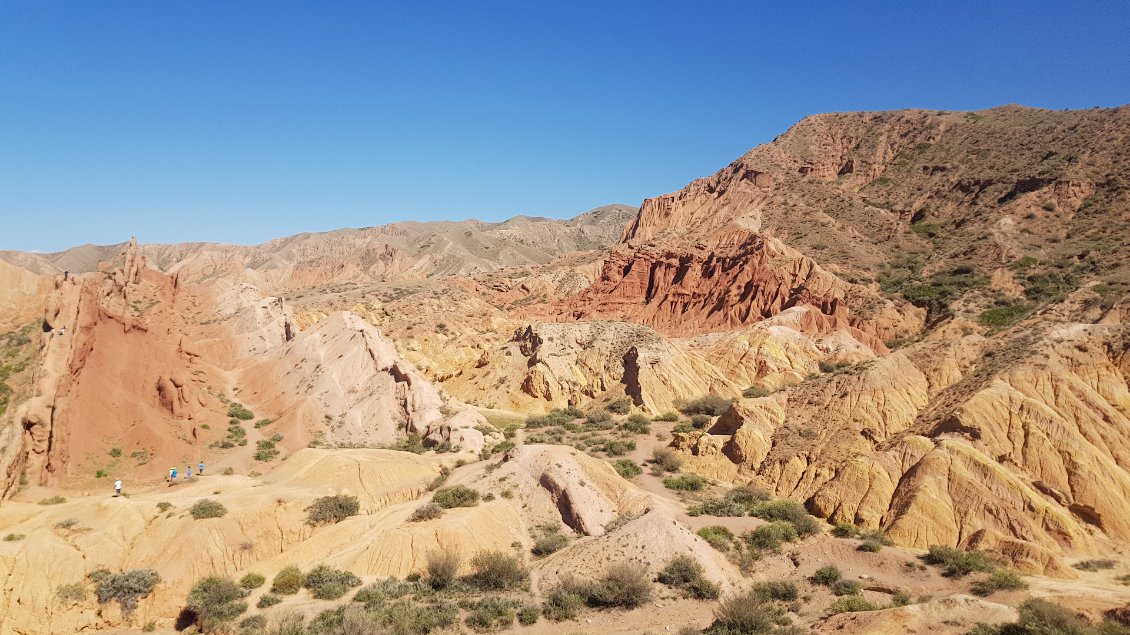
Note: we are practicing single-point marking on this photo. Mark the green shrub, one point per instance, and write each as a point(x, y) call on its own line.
point(268, 600)
point(14, 537)
point(262, 423)
point(503, 447)
point(237, 411)
point(562, 605)
point(637, 424)
point(713, 405)
point(497, 571)
point(328, 583)
point(668, 416)
point(789, 511)
point(685, 483)
point(215, 601)
point(549, 543)
point(627, 468)
point(455, 496)
point(719, 537)
point(847, 587)
point(827, 575)
point(164, 506)
point(625, 585)
point(115, 452)
point(252, 581)
point(207, 508)
point(620, 406)
point(900, 599)
point(956, 563)
point(780, 590)
point(618, 447)
point(845, 530)
point(1001, 316)
point(126, 587)
point(74, 592)
point(328, 510)
point(853, 604)
point(53, 500)
point(265, 450)
point(999, 580)
point(528, 615)
point(430, 511)
point(288, 581)
point(491, 613)
point(771, 536)
point(667, 459)
point(683, 569)
point(683, 427)
point(745, 614)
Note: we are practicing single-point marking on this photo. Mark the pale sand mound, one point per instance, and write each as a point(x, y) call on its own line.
point(955, 614)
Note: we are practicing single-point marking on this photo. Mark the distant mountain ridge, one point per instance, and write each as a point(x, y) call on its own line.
point(450, 247)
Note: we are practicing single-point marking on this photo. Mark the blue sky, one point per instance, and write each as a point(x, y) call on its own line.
point(242, 121)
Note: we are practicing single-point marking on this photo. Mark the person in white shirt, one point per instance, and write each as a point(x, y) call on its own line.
point(118, 487)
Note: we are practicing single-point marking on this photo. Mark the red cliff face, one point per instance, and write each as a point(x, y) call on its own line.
point(742, 279)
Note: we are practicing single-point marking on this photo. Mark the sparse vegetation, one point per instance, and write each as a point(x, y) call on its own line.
point(620, 406)
point(443, 566)
point(780, 590)
point(455, 496)
point(668, 416)
point(624, 585)
point(1095, 565)
point(853, 604)
point(846, 587)
point(999, 580)
point(14, 537)
point(329, 510)
point(754, 392)
point(497, 571)
point(430, 511)
point(549, 542)
point(1002, 316)
point(267, 600)
point(955, 562)
point(207, 508)
point(712, 405)
point(748, 614)
point(74, 592)
point(667, 459)
point(53, 500)
point(1041, 617)
point(238, 411)
point(164, 506)
point(685, 483)
point(125, 587)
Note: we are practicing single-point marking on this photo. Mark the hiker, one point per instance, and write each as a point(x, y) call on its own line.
point(66, 274)
point(173, 475)
point(188, 473)
point(63, 331)
point(200, 472)
point(118, 487)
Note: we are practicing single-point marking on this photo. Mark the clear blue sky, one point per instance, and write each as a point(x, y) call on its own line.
point(242, 121)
